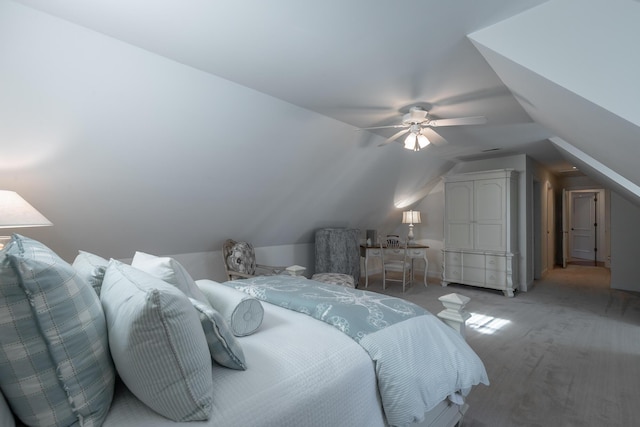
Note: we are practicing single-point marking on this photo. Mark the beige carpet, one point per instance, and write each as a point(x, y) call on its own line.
point(566, 353)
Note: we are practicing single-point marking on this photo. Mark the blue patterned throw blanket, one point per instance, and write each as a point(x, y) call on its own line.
point(419, 361)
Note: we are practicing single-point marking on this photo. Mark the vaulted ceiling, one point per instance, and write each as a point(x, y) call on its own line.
point(175, 124)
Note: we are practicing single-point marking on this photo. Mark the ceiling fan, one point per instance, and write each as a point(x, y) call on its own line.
point(417, 120)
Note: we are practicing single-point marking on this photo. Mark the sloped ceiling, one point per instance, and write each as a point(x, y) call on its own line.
point(573, 67)
point(169, 126)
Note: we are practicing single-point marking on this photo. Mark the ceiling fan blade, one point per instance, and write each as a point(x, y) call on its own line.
point(383, 127)
point(434, 137)
point(394, 137)
point(460, 121)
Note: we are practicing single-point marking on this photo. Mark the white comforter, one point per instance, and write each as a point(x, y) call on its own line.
point(419, 361)
point(301, 372)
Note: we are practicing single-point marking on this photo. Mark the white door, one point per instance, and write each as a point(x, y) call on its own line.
point(582, 233)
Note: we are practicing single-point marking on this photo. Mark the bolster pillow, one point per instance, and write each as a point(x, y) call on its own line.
point(242, 313)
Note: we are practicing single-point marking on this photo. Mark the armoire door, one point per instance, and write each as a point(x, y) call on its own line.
point(459, 214)
point(489, 214)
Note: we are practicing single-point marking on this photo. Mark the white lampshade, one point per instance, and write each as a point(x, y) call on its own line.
point(411, 217)
point(15, 212)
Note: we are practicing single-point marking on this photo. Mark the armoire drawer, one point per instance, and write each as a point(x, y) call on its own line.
point(494, 262)
point(495, 279)
point(473, 275)
point(453, 258)
point(474, 260)
point(453, 273)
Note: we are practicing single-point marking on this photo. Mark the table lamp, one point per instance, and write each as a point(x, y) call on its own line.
point(15, 212)
point(410, 217)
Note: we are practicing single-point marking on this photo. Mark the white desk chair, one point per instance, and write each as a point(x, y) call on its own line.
point(397, 262)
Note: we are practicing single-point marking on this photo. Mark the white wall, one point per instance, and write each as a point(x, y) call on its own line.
point(209, 265)
point(549, 188)
point(625, 237)
point(125, 150)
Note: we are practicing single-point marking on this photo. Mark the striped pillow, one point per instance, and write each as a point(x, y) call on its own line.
point(55, 367)
point(157, 343)
point(223, 346)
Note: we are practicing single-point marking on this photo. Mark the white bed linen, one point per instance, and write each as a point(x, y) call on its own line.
point(301, 372)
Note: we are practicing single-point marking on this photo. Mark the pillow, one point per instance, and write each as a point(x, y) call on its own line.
point(157, 343)
point(242, 258)
point(242, 312)
point(55, 367)
point(91, 268)
point(169, 270)
point(223, 346)
point(6, 417)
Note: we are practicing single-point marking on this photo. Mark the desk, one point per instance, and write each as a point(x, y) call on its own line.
point(413, 252)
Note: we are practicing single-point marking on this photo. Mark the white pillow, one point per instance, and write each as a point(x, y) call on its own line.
point(157, 343)
point(242, 312)
point(169, 270)
point(91, 268)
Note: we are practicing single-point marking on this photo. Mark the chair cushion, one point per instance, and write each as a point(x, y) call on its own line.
point(334, 278)
point(157, 343)
point(55, 366)
point(242, 258)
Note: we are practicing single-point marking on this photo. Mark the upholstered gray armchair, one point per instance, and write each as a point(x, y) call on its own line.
point(240, 261)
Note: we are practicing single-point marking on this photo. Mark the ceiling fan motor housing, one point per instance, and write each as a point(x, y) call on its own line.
point(416, 115)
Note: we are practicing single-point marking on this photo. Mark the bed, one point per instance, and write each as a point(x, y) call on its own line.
point(302, 366)
point(306, 372)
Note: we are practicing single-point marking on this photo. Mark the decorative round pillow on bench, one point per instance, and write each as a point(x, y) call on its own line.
point(242, 258)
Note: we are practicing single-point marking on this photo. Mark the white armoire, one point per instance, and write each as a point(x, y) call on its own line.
point(481, 230)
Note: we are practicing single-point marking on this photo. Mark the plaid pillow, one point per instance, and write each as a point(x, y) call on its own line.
point(55, 366)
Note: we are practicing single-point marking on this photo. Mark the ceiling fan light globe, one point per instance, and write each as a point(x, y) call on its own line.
point(423, 141)
point(410, 141)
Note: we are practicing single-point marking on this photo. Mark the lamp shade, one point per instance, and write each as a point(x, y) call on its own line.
point(411, 217)
point(15, 212)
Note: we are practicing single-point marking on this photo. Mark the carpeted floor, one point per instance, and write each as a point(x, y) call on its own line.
point(566, 353)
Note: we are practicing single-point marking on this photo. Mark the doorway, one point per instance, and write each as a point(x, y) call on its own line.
point(585, 225)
